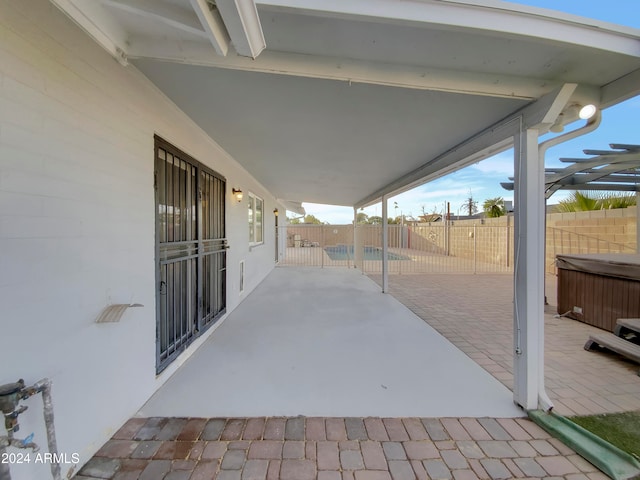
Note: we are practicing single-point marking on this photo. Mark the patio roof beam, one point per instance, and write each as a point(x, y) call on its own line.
point(93, 18)
point(621, 89)
point(348, 70)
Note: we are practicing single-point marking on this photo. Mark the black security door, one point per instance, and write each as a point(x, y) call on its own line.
point(190, 250)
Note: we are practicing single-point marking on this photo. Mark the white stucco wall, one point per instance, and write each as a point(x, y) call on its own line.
point(77, 225)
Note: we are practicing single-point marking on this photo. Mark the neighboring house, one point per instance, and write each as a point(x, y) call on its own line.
point(119, 179)
point(431, 217)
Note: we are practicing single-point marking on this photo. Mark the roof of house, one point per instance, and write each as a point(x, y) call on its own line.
point(432, 217)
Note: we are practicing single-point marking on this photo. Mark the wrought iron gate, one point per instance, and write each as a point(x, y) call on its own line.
point(190, 250)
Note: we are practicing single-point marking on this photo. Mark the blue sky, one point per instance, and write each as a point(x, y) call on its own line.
point(619, 125)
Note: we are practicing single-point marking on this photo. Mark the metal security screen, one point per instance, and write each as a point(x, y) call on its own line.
point(214, 246)
point(190, 250)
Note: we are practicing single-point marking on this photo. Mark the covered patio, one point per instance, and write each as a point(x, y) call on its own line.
point(351, 103)
point(129, 132)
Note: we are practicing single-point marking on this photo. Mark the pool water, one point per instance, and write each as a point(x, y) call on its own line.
point(345, 252)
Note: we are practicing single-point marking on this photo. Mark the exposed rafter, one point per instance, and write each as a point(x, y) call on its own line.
point(162, 13)
point(213, 25)
point(243, 24)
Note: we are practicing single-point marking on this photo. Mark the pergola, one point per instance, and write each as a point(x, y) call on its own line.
point(615, 170)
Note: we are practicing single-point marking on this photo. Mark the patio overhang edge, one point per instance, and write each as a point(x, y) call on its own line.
point(292, 206)
point(503, 17)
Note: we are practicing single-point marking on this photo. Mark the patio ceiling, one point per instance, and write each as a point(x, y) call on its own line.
point(354, 99)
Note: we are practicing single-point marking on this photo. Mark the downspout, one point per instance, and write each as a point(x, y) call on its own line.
point(385, 246)
point(356, 260)
point(44, 386)
point(544, 402)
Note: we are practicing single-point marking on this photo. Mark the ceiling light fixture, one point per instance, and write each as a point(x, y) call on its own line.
point(572, 113)
point(587, 111)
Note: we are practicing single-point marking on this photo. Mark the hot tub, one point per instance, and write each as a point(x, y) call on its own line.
point(599, 288)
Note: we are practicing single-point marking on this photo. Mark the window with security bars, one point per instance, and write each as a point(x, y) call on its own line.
point(190, 250)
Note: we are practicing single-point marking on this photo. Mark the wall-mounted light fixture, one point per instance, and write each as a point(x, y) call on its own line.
point(237, 193)
point(275, 212)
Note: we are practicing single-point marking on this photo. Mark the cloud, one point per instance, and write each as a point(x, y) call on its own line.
point(501, 164)
point(329, 213)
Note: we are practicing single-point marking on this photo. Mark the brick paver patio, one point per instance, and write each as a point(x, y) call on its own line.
point(334, 449)
point(475, 313)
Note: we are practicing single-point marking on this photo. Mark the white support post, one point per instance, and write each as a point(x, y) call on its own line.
point(357, 257)
point(355, 237)
point(529, 270)
point(385, 246)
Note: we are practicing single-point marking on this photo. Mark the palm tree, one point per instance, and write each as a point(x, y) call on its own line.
point(580, 202)
point(470, 205)
point(494, 207)
point(619, 201)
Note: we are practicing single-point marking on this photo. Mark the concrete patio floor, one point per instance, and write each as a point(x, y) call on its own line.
point(327, 342)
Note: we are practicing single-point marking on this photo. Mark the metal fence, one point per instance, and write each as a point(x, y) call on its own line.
point(412, 249)
point(431, 248)
point(307, 245)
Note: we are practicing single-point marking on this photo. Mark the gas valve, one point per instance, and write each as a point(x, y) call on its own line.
point(10, 396)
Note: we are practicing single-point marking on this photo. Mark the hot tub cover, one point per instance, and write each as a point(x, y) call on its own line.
point(620, 265)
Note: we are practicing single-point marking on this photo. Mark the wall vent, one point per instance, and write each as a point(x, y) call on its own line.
point(241, 276)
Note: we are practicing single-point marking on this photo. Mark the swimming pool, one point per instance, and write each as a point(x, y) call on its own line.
point(345, 252)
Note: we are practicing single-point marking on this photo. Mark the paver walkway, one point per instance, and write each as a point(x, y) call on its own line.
point(302, 448)
point(475, 313)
